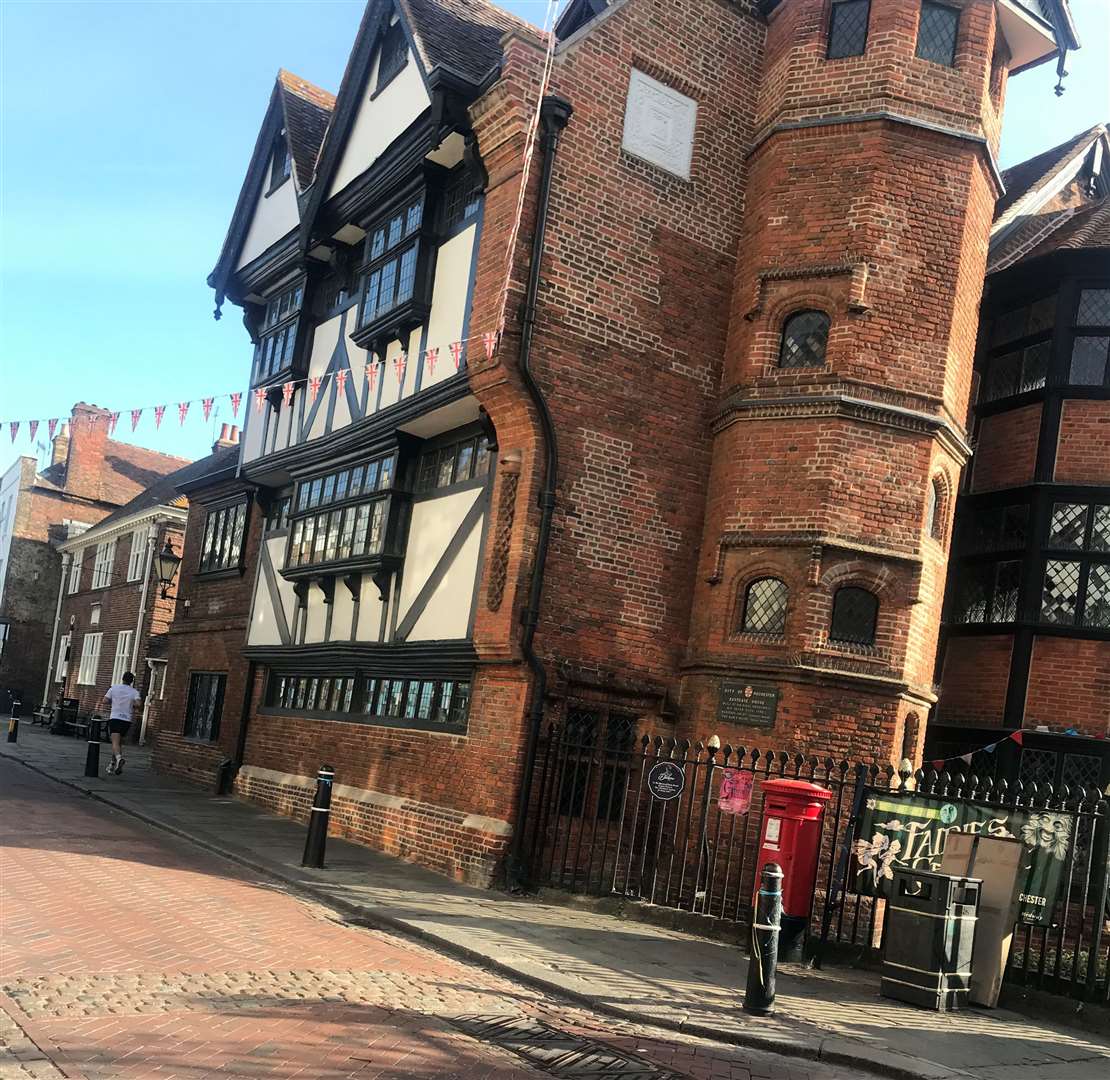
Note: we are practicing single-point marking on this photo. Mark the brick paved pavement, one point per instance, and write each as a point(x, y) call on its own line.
point(127, 954)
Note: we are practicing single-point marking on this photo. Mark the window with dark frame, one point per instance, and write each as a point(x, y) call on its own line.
point(455, 463)
point(1019, 349)
point(278, 334)
point(848, 28)
point(937, 30)
point(987, 592)
point(1076, 586)
point(394, 56)
point(355, 526)
point(855, 616)
point(805, 336)
point(589, 787)
point(462, 198)
point(427, 703)
point(390, 256)
point(1089, 364)
point(222, 547)
point(277, 516)
point(204, 705)
point(281, 162)
point(765, 602)
point(579, 739)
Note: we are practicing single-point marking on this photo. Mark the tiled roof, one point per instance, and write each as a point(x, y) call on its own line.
point(1086, 228)
point(1037, 172)
point(461, 36)
point(128, 471)
point(163, 491)
point(307, 111)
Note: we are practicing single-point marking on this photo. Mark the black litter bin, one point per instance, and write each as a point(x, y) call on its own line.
point(928, 934)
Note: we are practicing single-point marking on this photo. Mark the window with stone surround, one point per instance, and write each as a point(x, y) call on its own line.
point(1076, 586)
point(764, 610)
point(855, 616)
point(805, 336)
point(848, 28)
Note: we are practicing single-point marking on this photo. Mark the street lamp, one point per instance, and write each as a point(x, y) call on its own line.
point(168, 562)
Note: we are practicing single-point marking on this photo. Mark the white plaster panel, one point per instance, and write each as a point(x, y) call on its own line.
point(263, 629)
point(448, 612)
point(659, 124)
point(369, 611)
point(413, 363)
point(343, 608)
point(454, 266)
point(274, 217)
point(324, 340)
point(251, 436)
point(341, 415)
point(316, 617)
point(380, 121)
point(434, 523)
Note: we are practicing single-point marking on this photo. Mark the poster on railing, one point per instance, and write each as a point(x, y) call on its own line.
point(909, 831)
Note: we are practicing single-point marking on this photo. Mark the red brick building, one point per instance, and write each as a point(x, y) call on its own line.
point(114, 614)
point(704, 480)
point(1027, 627)
point(89, 477)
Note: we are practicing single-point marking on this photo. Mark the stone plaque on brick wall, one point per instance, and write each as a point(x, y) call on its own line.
point(659, 124)
point(752, 704)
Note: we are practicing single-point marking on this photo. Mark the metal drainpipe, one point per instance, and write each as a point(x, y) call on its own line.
point(52, 660)
point(555, 113)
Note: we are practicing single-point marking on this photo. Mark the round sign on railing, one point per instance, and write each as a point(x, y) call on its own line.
point(666, 780)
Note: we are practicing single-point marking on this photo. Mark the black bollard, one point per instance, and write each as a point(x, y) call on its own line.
point(759, 997)
point(13, 721)
point(92, 754)
point(318, 820)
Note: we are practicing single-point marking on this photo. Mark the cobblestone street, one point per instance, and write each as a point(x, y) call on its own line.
point(128, 953)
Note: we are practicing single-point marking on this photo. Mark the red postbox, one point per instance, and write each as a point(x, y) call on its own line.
point(792, 812)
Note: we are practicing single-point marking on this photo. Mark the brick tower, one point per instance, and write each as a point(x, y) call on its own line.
point(841, 428)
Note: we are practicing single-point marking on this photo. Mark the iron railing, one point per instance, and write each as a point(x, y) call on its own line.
point(596, 829)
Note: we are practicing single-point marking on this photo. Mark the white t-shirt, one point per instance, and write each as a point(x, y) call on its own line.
point(122, 698)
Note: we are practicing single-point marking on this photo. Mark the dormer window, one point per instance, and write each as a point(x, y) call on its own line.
point(394, 56)
point(278, 335)
point(281, 162)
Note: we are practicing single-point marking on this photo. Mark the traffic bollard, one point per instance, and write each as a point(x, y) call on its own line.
point(13, 722)
point(318, 820)
point(759, 998)
point(92, 754)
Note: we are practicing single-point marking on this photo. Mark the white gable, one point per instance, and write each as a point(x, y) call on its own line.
point(275, 215)
point(380, 120)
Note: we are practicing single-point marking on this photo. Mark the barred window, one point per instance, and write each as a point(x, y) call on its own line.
point(848, 28)
point(278, 337)
point(222, 547)
point(937, 30)
point(805, 335)
point(855, 614)
point(204, 706)
point(765, 607)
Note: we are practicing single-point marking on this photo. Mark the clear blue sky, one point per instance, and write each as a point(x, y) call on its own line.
point(125, 130)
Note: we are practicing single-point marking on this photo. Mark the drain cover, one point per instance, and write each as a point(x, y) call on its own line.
point(559, 1052)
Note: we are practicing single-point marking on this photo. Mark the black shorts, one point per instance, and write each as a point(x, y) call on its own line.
point(119, 727)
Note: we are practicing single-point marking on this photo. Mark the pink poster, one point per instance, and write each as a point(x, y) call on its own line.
point(736, 792)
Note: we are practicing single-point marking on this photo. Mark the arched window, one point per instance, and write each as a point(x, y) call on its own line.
point(854, 615)
point(934, 509)
point(765, 607)
point(804, 337)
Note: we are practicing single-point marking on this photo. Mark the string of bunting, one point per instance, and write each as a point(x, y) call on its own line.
point(373, 371)
point(1014, 736)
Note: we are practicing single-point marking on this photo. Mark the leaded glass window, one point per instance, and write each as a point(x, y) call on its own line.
point(204, 705)
point(391, 255)
point(848, 28)
point(278, 333)
point(805, 336)
point(1094, 308)
point(394, 55)
point(936, 32)
point(855, 615)
point(765, 607)
point(987, 592)
point(1060, 598)
point(1088, 360)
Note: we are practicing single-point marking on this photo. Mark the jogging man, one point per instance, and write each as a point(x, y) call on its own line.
point(121, 698)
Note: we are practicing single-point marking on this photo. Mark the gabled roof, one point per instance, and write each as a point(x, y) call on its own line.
point(304, 111)
point(307, 110)
point(127, 470)
point(1086, 228)
point(1050, 199)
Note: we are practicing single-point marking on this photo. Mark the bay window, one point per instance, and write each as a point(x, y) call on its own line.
point(277, 340)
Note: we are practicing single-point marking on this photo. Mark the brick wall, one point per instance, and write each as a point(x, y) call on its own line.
point(973, 681)
point(1006, 450)
point(1080, 699)
point(1081, 454)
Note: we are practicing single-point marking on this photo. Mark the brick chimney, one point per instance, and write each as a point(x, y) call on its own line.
point(60, 448)
point(229, 436)
point(88, 442)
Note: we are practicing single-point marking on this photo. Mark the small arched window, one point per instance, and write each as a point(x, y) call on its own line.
point(855, 614)
point(934, 509)
point(765, 607)
point(805, 334)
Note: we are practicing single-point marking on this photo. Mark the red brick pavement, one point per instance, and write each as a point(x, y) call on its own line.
point(128, 954)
